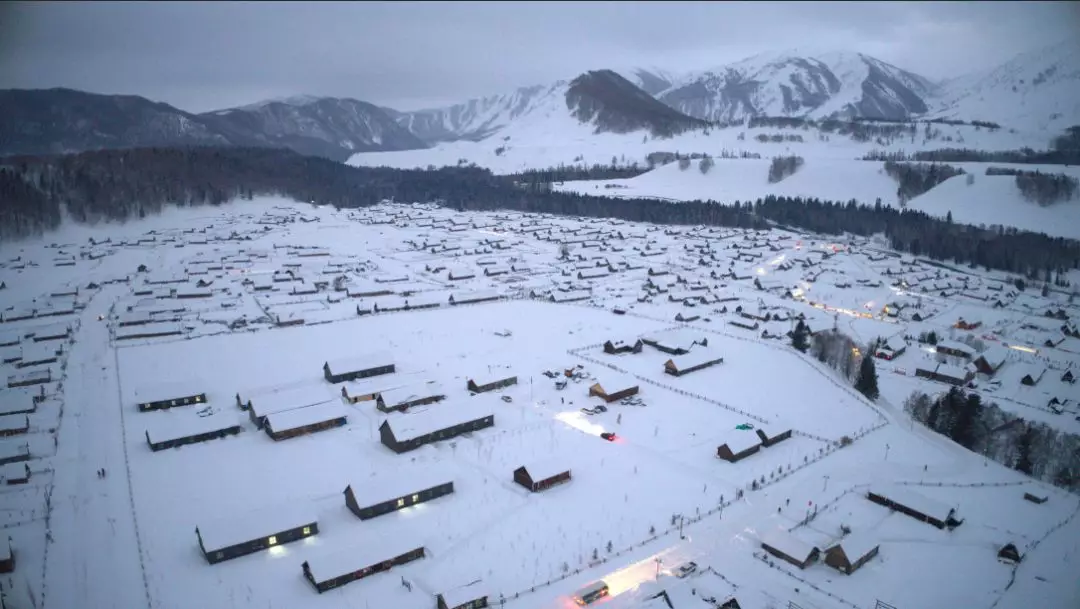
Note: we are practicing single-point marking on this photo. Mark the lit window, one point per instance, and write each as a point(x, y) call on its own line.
point(401, 503)
point(415, 498)
point(307, 530)
point(273, 540)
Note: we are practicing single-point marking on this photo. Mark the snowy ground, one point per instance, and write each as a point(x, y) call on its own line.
point(235, 337)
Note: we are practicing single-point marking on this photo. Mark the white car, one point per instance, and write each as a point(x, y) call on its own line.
point(686, 570)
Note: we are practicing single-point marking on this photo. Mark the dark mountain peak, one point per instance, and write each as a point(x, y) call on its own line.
point(616, 105)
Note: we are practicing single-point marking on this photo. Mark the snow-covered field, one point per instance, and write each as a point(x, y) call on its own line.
point(252, 298)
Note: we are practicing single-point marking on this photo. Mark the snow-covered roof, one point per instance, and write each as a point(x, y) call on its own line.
point(182, 424)
point(13, 422)
point(571, 295)
point(411, 392)
point(10, 448)
point(492, 377)
point(309, 415)
point(951, 371)
point(697, 357)
point(235, 529)
point(167, 390)
point(356, 363)
point(377, 489)
point(542, 469)
point(18, 399)
point(953, 345)
point(420, 423)
point(741, 440)
point(787, 543)
point(895, 343)
point(474, 296)
point(677, 337)
point(857, 545)
point(426, 300)
point(11, 471)
point(909, 498)
point(263, 404)
point(160, 329)
point(37, 352)
point(329, 565)
point(457, 597)
point(614, 382)
point(995, 355)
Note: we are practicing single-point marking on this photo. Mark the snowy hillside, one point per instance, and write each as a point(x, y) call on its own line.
point(792, 83)
point(1039, 90)
point(989, 200)
point(548, 136)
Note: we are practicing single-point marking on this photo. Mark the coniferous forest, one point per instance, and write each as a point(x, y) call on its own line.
point(115, 185)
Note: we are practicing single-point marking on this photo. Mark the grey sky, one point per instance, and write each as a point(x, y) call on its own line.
point(203, 56)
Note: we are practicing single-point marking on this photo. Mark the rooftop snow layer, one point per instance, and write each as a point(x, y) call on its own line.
point(308, 415)
point(240, 528)
point(420, 423)
point(377, 489)
point(329, 565)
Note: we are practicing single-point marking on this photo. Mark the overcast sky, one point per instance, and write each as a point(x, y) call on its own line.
point(204, 56)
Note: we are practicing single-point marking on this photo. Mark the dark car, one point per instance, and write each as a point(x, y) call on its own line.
point(607, 435)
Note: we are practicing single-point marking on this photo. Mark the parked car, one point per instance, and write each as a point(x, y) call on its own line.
point(686, 569)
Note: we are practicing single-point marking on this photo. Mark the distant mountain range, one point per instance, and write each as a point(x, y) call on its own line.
point(1036, 91)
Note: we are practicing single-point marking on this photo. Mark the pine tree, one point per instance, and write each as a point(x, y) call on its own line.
point(799, 337)
point(866, 381)
point(1024, 463)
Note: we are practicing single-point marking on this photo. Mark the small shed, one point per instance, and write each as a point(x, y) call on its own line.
point(1038, 499)
point(470, 596)
point(738, 446)
point(1009, 553)
point(542, 475)
point(790, 548)
point(613, 388)
point(851, 552)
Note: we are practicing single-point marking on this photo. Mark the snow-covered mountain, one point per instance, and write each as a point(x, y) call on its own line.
point(323, 126)
point(1035, 91)
point(614, 104)
point(791, 83)
point(50, 121)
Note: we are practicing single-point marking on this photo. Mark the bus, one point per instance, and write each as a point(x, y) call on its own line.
point(591, 593)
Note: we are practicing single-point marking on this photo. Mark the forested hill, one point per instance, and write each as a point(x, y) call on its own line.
point(123, 184)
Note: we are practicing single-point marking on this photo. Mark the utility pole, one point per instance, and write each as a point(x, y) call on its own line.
point(824, 488)
point(658, 561)
point(886, 452)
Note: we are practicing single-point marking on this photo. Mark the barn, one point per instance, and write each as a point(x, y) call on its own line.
point(407, 396)
point(235, 536)
point(945, 373)
point(676, 342)
point(542, 475)
point(917, 506)
point(612, 388)
point(167, 395)
point(693, 361)
point(770, 437)
point(470, 596)
point(351, 369)
point(368, 390)
point(173, 433)
point(459, 298)
point(490, 384)
point(738, 446)
point(310, 419)
point(622, 346)
point(263, 405)
point(14, 425)
point(411, 431)
point(374, 497)
point(851, 553)
point(335, 569)
point(790, 548)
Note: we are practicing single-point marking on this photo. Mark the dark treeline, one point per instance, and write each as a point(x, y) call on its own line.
point(1038, 187)
point(1035, 449)
point(915, 179)
point(1064, 150)
point(783, 166)
point(571, 173)
point(123, 184)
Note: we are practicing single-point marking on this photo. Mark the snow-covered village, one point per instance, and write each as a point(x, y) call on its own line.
point(454, 305)
point(276, 402)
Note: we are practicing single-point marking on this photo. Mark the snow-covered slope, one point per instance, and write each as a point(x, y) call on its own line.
point(990, 200)
point(480, 117)
point(794, 83)
point(1039, 90)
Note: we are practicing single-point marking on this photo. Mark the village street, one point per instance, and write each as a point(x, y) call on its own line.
point(94, 559)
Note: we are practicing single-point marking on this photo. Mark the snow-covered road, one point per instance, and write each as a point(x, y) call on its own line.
point(94, 560)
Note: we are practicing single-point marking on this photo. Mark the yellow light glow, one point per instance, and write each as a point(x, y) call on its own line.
point(1024, 349)
point(273, 540)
